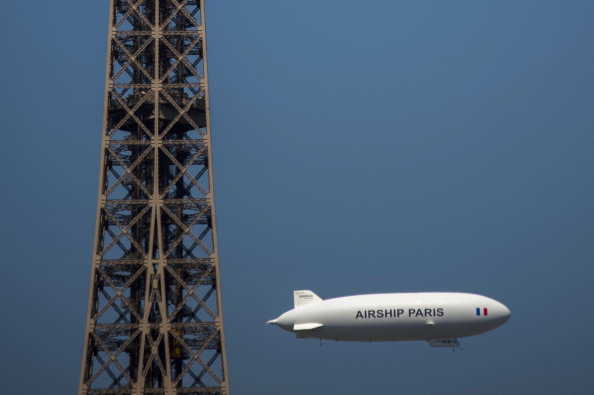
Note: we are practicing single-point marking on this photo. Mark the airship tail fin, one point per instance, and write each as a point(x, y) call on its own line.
point(307, 327)
point(304, 297)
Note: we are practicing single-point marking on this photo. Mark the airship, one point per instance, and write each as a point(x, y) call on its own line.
point(440, 318)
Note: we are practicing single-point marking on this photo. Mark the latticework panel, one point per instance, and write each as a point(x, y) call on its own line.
point(155, 316)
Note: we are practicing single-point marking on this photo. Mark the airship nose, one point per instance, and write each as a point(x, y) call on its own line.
point(503, 313)
point(507, 313)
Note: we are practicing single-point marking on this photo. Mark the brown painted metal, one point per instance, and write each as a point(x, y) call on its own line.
point(154, 322)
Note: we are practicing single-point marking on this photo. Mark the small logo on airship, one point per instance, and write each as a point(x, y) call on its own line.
point(482, 312)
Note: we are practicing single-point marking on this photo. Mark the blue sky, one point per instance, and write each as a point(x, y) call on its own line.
point(358, 148)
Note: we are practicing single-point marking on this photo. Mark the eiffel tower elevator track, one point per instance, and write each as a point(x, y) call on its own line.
point(154, 323)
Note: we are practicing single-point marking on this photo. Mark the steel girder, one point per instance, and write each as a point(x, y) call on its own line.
point(154, 322)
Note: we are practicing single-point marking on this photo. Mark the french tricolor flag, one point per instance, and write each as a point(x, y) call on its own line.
point(482, 312)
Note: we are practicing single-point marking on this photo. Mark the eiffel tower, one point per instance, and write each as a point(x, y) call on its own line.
point(154, 323)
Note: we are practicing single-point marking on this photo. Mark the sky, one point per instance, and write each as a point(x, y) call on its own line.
point(359, 147)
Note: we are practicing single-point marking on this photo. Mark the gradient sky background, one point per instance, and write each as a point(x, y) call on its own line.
point(359, 147)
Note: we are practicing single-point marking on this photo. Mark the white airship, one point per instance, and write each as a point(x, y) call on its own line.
point(440, 318)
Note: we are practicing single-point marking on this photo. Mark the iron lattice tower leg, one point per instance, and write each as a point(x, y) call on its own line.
point(154, 322)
